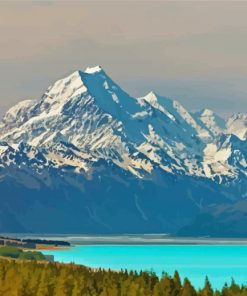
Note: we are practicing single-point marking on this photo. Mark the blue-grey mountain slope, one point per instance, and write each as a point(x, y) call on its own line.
point(89, 158)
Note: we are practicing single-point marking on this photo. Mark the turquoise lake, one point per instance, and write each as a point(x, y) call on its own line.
point(220, 263)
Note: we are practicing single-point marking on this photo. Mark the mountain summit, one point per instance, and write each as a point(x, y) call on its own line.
point(88, 157)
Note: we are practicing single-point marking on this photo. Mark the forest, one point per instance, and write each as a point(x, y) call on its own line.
point(42, 278)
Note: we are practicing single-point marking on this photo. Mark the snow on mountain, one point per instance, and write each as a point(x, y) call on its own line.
point(176, 112)
point(86, 109)
point(226, 157)
point(90, 111)
point(237, 125)
point(86, 137)
point(17, 113)
point(211, 121)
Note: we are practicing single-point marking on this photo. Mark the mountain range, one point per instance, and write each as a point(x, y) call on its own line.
point(89, 158)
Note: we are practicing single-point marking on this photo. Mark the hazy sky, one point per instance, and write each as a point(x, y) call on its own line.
point(195, 52)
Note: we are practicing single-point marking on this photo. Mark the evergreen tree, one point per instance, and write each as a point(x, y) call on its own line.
point(225, 291)
point(77, 290)
point(43, 289)
point(234, 289)
point(28, 278)
point(177, 284)
point(63, 284)
point(187, 289)
point(207, 290)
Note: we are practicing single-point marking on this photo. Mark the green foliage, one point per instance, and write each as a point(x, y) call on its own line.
point(37, 278)
point(14, 252)
point(32, 255)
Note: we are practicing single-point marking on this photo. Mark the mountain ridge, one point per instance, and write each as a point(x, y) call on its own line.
point(85, 127)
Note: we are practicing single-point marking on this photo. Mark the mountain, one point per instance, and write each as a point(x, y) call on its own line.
point(237, 125)
point(88, 158)
point(211, 121)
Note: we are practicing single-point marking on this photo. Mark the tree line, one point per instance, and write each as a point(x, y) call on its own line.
point(41, 278)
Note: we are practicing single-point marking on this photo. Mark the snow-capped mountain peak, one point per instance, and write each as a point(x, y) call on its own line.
point(90, 111)
point(206, 112)
point(237, 125)
point(65, 88)
point(92, 70)
point(176, 112)
point(17, 111)
point(87, 150)
point(155, 101)
point(211, 121)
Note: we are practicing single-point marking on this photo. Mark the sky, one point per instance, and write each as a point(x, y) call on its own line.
point(192, 51)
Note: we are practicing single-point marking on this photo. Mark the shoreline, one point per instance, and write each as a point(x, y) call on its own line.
point(126, 239)
point(50, 248)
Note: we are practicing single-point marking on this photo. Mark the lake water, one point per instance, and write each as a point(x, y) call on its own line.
point(220, 263)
